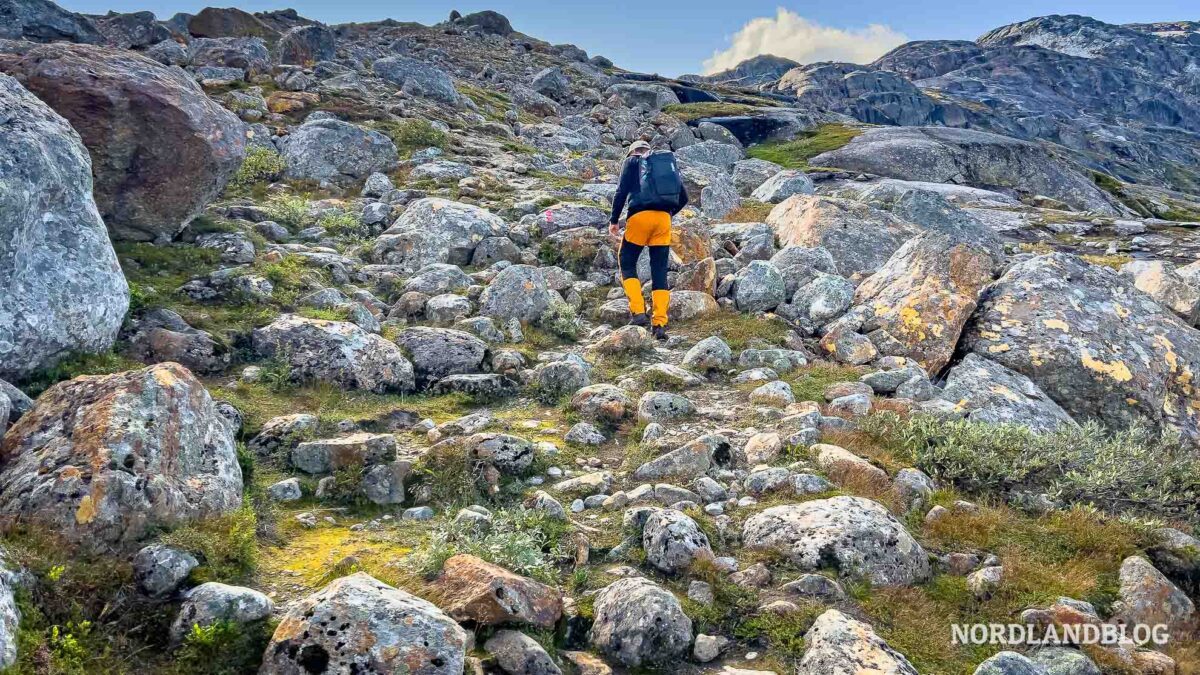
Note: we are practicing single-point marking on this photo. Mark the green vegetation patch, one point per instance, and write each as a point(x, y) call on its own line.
point(687, 112)
point(795, 154)
point(738, 330)
point(261, 165)
point(413, 134)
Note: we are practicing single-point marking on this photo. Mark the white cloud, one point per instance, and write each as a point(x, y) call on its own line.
point(792, 36)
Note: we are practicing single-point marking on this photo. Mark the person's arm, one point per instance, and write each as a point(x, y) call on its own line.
point(624, 187)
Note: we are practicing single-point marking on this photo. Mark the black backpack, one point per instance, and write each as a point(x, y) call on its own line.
point(660, 187)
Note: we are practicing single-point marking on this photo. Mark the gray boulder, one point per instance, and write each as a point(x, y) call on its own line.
point(673, 541)
point(417, 78)
point(518, 292)
point(10, 615)
point(159, 570)
point(519, 654)
point(649, 96)
point(337, 151)
point(44, 21)
point(748, 174)
point(161, 149)
point(335, 351)
point(434, 230)
point(103, 461)
point(979, 158)
point(721, 155)
point(838, 644)
point(783, 185)
point(1064, 661)
point(988, 392)
point(1096, 345)
point(306, 45)
point(358, 623)
point(800, 265)
point(63, 289)
point(132, 30)
point(639, 623)
point(711, 353)
point(823, 299)
point(247, 54)
point(438, 352)
point(758, 287)
point(859, 534)
point(859, 237)
point(212, 602)
point(1009, 663)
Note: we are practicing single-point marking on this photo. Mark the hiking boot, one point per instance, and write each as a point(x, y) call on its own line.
point(660, 333)
point(642, 320)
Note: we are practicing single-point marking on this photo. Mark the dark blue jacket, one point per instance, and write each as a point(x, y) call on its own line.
point(627, 185)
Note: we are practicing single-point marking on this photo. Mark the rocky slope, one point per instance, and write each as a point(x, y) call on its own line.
point(317, 361)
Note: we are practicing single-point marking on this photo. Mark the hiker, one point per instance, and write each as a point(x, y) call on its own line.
point(652, 185)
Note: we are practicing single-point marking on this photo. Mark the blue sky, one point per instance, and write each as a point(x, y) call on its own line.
point(672, 37)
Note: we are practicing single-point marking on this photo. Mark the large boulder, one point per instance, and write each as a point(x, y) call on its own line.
point(44, 21)
point(360, 624)
point(213, 602)
point(470, 589)
point(859, 237)
point(161, 149)
point(416, 78)
point(306, 45)
point(63, 289)
point(838, 645)
point(249, 55)
point(1148, 598)
point(438, 352)
point(518, 292)
point(133, 30)
point(971, 157)
point(854, 535)
point(337, 151)
point(640, 623)
point(1096, 345)
point(673, 541)
point(921, 298)
point(338, 352)
point(103, 461)
point(434, 230)
point(988, 392)
point(648, 95)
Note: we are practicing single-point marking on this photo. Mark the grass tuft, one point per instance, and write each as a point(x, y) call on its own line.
point(796, 153)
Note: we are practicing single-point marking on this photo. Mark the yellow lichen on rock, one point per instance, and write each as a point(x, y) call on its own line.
point(1117, 370)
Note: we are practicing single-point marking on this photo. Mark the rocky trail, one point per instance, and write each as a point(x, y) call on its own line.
point(315, 356)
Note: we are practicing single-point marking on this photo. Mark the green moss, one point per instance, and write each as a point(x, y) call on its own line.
point(738, 330)
point(795, 154)
point(261, 165)
point(413, 134)
point(291, 211)
point(226, 545)
point(74, 366)
point(688, 112)
point(224, 648)
point(783, 633)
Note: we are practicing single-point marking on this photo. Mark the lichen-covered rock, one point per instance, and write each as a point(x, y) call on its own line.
point(783, 185)
point(212, 602)
point(159, 570)
point(162, 335)
point(799, 265)
point(470, 589)
point(860, 238)
point(709, 354)
point(602, 403)
point(416, 78)
point(1147, 597)
point(161, 149)
point(306, 45)
point(10, 615)
point(758, 287)
point(63, 289)
point(335, 351)
point(358, 623)
point(438, 352)
point(856, 535)
point(1096, 345)
point(651, 96)
point(44, 21)
point(921, 298)
point(1008, 663)
point(673, 541)
point(1159, 279)
point(519, 654)
point(103, 461)
point(946, 155)
point(434, 230)
point(337, 151)
point(839, 645)
point(356, 450)
point(283, 433)
point(989, 392)
point(663, 406)
point(639, 623)
point(518, 292)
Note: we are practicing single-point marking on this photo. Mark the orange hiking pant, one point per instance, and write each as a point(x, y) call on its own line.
point(647, 229)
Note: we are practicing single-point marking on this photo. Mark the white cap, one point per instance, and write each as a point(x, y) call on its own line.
point(638, 146)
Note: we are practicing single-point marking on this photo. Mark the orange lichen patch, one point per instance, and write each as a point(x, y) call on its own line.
point(87, 510)
point(1117, 370)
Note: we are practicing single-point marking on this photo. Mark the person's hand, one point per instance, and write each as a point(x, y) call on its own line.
point(614, 230)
